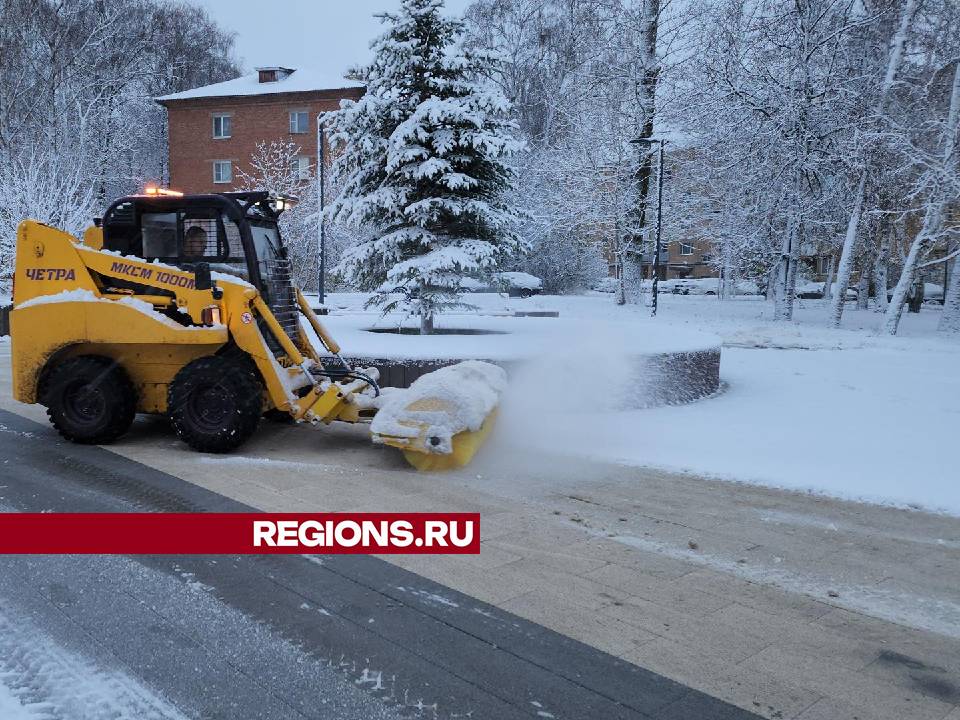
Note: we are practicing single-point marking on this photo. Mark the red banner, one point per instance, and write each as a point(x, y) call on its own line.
point(239, 533)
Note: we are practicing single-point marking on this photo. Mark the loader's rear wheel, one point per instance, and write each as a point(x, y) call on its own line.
point(215, 403)
point(89, 399)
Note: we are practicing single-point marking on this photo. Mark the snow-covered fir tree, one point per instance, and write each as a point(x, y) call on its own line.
point(421, 162)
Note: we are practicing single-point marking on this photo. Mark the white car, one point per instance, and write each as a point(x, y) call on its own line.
point(606, 284)
point(931, 292)
point(690, 286)
point(518, 284)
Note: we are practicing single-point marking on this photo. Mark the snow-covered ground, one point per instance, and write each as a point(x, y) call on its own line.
point(849, 412)
point(40, 680)
point(583, 322)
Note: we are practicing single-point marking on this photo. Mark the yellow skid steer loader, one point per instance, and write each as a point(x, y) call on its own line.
point(184, 306)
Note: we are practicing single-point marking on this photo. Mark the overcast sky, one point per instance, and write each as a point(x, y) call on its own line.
point(305, 33)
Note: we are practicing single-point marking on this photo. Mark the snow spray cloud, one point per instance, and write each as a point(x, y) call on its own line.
point(582, 369)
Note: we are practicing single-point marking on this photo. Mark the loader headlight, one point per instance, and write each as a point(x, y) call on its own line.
point(282, 202)
point(210, 315)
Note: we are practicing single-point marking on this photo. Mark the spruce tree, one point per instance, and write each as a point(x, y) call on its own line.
point(420, 158)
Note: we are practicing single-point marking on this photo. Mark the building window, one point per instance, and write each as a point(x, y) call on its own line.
point(299, 121)
point(222, 171)
point(686, 249)
point(221, 126)
point(300, 167)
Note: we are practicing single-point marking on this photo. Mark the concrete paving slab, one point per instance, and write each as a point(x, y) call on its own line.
point(569, 562)
point(735, 644)
point(763, 693)
point(831, 709)
point(857, 627)
point(655, 590)
point(915, 674)
point(580, 623)
point(801, 636)
point(752, 594)
point(857, 689)
point(656, 565)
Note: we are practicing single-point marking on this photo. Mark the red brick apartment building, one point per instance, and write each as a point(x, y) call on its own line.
point(214, 130)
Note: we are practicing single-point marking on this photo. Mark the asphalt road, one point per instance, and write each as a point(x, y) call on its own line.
point(276, 636)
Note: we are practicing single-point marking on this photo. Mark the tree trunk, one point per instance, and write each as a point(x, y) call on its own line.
point(646, 89)
point(621, 294)
point(932, 218)
point(787, 279)
point(950, 320)
point(863, 287)
point(916, 296)
point(729, 287)
point(426, 321)
point(831, 271)
point(772, 281)
point(863, 282)
point(845, 268)
point(880, 271)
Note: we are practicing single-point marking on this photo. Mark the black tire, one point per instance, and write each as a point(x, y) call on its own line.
point(89, 399)
point(215, 403)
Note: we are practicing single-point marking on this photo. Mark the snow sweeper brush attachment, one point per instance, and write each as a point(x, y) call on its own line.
point(442, 419)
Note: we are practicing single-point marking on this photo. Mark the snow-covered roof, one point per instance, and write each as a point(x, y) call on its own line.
point(300, 80)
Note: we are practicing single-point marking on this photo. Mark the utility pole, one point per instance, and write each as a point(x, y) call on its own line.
point(321, 223)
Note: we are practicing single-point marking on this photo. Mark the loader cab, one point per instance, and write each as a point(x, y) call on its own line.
point(234, 233)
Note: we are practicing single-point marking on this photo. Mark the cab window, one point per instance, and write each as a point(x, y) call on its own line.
point(208, 236)
point(159, 234)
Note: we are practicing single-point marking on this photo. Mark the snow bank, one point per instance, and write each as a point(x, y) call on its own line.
point(456, 398)
point(867, 424)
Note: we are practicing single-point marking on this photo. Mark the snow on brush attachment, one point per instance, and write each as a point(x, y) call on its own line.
point(442, 419)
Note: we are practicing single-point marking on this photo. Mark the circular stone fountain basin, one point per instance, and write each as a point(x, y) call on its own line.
point(655, 364)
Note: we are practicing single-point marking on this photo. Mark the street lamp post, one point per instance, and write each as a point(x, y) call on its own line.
point(648, 143)
point(321, 223)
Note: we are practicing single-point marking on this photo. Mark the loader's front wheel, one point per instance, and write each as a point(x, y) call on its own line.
point(89, 399)
point(215, 403)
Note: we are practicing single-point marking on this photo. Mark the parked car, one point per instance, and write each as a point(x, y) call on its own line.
point(931, 292)
point(468, 284)
point(518, 284)
point(690, 286)
point(807, 290)
point(605, 285)
point(748, 287)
